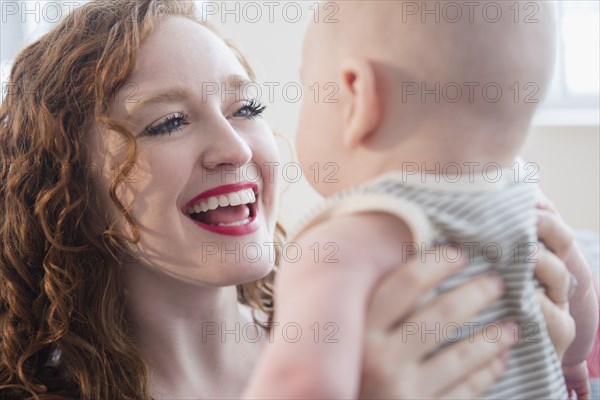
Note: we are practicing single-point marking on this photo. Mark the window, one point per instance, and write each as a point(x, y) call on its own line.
point(22, 22)
point(574, 97)
point(4, 72)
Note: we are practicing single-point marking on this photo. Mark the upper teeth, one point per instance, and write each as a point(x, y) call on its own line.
point(245, 196)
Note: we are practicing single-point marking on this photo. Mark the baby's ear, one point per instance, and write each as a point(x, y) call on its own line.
point(362, 109)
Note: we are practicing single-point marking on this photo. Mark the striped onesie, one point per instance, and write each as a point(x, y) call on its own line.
point(493, 219)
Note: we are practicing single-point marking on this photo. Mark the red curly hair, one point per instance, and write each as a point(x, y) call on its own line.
point(60, 256)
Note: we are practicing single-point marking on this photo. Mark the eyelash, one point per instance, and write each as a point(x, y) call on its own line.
point(165, 127)
point(255, 108)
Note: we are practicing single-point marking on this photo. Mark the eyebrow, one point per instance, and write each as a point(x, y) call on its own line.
point(173, 94)
point(236, 81)
point(179, 93)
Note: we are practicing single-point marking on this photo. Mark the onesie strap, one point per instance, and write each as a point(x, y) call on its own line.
point(356, 202)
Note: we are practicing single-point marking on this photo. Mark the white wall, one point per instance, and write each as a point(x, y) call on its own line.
point(568, 160)
point(567, 156)
point(271, 33)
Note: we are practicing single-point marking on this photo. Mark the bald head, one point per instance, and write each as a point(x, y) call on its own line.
point(445, 40)
point(498, 54)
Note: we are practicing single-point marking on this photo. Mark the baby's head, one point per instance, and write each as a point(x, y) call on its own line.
point(394, 82)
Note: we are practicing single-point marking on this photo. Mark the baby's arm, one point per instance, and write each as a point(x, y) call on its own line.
point(327, 301)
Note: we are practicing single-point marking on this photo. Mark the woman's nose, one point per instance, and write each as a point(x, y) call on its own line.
point(225, 147)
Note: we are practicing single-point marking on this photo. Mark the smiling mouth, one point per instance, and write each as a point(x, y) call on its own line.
point(227, 210)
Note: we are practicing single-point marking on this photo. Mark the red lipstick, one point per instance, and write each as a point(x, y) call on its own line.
point(234, 230)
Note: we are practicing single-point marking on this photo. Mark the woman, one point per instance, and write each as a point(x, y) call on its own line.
point(114, 285)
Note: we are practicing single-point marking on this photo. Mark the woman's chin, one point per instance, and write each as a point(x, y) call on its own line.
point(230, 275)
point(247, 273)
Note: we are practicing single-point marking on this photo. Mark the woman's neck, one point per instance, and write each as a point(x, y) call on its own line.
point(196, 340)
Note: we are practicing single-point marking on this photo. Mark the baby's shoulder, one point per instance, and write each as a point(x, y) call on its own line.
point(358, 240)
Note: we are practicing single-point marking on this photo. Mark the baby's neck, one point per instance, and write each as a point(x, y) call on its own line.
point(428, 161)
point(441, 152)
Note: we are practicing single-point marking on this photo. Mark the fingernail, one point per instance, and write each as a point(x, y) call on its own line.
point(455, 258)
point(504, 356)
point(572, 286)
point(509, 325)
point(497, 283)
point(510, 332)
point(453, 253)
point(542, 203)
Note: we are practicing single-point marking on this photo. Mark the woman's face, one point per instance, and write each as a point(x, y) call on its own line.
point(204, 192)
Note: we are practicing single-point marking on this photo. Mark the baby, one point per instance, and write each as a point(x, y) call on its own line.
point(426, 125)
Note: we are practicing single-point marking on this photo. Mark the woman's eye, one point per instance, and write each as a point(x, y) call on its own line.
point(168, 125)
point(251, 109)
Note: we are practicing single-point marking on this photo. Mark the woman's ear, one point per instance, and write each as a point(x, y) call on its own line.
point(362, 110)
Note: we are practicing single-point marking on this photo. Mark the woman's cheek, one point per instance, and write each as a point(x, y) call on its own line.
point(271, 169)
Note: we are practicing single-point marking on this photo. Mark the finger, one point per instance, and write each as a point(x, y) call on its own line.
point(473, 385)
point(477, 383)
point(473, 353)
point(557, 316)
point(578, 380)
point(452, 308)
point(584, 392)
point(543, 203)
point(404, 287)
point(555, 233)
point(552, 273)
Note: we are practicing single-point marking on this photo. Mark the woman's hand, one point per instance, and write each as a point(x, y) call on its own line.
point(397, 362)
point(552, 273)
point(559, 271)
